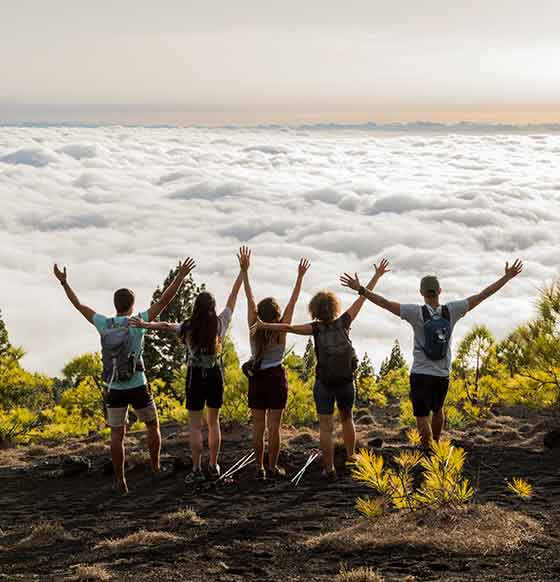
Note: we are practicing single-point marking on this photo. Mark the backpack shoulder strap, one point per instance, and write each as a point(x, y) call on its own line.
point(426, 313)
point(445, 313)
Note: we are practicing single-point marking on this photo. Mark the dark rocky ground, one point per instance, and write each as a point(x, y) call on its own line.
point(255, 531)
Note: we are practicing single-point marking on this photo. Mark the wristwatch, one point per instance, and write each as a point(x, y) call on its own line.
point(361, 290)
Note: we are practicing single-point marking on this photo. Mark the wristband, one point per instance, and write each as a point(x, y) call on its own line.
point(361, 290)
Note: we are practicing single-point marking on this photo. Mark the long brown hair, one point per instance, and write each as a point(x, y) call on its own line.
point(268, 310)
point(201, 329)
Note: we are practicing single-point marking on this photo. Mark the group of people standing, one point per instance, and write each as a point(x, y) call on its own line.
point(204, 333)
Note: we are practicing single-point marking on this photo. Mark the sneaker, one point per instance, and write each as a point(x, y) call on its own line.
point(195, 476)
point(329, 476)
point(214, 471)
point(277, 472)
point(261, 474)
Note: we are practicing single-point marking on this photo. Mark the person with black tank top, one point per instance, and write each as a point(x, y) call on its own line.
point(334, 382)
point(203, 333)
point(268, 382)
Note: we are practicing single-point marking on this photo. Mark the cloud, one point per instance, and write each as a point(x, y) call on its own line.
point(120, 206)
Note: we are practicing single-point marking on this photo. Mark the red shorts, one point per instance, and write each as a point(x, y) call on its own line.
point(268, 389)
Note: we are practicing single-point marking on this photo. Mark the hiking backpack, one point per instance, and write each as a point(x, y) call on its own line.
point(336, 358)
point(437, 333)
point(119, 360)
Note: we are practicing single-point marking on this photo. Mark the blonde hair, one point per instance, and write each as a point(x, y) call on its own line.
point(324, 306)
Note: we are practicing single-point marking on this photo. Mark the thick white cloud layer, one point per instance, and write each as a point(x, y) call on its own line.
point(120, 206)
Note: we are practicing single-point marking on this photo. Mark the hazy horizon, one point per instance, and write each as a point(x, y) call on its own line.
point(206, 62)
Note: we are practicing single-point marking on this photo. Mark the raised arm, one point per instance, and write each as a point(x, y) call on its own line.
point(303, 329)
point(154, 325)
point(509, 273)
point(232, 299)
point(380, 270)
point(184, 269)
point(62, 276)
point(288, 314)
point(244, 258)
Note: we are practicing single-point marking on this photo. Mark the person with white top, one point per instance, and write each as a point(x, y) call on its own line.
point(432, 324)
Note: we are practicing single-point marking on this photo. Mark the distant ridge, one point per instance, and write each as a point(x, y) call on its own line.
point(414, 126)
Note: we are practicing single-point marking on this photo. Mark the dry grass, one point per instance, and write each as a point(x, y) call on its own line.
point(183, 518)
point(139, 540)
point(90, 573)
point(470, 529)
point(358, 575)
point(46, 533)
point(38, 451)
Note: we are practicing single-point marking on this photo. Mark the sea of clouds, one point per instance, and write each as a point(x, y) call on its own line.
point(120, 205)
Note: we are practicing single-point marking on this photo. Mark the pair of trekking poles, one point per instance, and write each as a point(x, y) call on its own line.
point(250, 458)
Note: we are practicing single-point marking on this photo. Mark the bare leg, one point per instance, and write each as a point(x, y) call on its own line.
point(195, 421)
point(274, 422)
point(259, 426)
point(348, 432)
point(425, 431)
point(117, 455)
point(326, 427)
point(154, 444)
point(438, 420)
point(214, 434)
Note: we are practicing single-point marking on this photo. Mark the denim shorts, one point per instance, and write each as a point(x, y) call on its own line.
point(326, 396)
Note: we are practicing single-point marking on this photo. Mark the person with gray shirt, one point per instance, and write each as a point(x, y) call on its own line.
point(432, 324)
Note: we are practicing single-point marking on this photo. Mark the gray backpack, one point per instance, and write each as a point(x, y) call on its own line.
point(336, 358)
point(119, 361)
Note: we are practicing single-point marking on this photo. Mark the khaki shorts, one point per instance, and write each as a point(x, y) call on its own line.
point(118, 401)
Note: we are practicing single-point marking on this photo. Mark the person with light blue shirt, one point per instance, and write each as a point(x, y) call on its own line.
point(432, 324)
point(132, 389)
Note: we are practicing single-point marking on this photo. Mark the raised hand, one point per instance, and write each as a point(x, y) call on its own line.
point(382, 268)
point(303, 267)
point(514, 270)
point(60, 275)
point(351, 282)
point(244, 258)
point(186, 266)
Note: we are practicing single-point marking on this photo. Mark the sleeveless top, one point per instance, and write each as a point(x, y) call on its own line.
point(273, 354)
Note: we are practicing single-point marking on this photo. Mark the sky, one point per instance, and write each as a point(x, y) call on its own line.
point(121, 205)
point(249, 61)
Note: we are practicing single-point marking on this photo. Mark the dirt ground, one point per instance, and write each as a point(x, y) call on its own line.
point(249, 530)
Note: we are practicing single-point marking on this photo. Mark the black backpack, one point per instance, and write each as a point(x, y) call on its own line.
point(437, 333)
point(336, 358)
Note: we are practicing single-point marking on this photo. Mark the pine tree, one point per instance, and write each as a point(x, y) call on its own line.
point(310, 360)
point(163, 354)
point(365, 368)
point(395, 361)
point(5, 344)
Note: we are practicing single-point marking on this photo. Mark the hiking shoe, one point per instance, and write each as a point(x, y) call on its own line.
point(214, 471)
point(277, 473)
point(196, 476)
point(329, 476)
point(261, 474)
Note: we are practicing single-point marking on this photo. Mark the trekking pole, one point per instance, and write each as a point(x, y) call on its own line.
point(298, 476)
point(236, 465)
point(252, 458)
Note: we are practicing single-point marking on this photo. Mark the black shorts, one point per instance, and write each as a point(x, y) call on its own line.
point(205, 387)
point(117, 402)
point(427, 393)
point(268, 389)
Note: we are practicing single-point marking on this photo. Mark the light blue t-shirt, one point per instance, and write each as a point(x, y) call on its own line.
point(139, 379)
point(422, 364)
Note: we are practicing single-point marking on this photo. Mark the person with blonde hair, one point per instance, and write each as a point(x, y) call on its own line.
point(268, 382)
point(336, 364)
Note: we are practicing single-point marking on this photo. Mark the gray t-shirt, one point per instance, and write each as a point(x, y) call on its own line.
point(273, 354)
point(422, 364)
